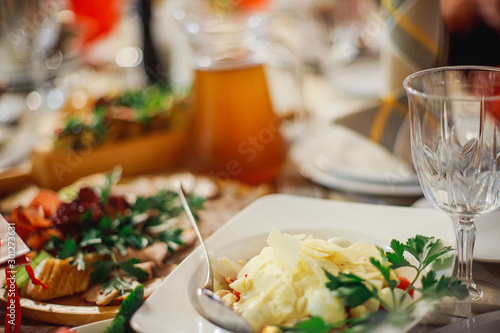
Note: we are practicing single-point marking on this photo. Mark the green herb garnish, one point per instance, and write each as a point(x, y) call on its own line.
point(146, 109)
point(313, 324)
point(147, 102)
point(354, 291)
point(111, 180)
point(121, 323)
point(135, 226)
point(104, 269)
point(79, 133)
point(350, 288)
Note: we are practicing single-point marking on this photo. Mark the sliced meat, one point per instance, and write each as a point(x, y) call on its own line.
point(147, 266)
point(158, 251)
point(96, 295)
point(149, 287)
point(155, 253)
point(188, 237)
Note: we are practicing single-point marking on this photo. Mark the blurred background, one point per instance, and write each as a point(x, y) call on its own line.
point(323, 57)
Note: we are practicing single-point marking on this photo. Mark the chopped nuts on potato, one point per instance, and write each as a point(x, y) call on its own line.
point(229, 299)
point(271, 329)
point(222, 292)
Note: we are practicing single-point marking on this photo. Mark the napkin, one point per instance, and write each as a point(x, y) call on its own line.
point(385, 123)
point(413, 38)
point(12, 248)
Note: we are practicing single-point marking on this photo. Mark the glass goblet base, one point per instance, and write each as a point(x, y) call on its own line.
point(475, 294)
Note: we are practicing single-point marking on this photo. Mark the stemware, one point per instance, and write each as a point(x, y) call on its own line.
point(455, 143)
point(32, 29)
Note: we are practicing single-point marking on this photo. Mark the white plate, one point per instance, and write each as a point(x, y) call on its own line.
point(96, 327)
point(340, 158)
point(487, 247)
point(169, 310)
point(485, 323)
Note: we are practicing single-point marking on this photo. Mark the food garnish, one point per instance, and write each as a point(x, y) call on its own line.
point(312, 285)
point(397, 302)
point(141, 111)
point(121, 323)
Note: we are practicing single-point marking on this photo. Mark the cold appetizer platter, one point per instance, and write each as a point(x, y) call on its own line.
point(93, 243)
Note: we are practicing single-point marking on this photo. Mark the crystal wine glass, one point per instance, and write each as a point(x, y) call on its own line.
point(455, 143)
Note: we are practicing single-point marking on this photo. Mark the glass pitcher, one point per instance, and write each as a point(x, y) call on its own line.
point(234, 132)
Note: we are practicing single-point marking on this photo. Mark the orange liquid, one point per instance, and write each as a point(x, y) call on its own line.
point(234, 131)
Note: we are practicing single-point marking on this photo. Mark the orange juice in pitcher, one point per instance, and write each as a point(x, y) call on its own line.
point(234, 132)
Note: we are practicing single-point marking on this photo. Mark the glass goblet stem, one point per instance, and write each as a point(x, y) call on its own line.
point(466, 237)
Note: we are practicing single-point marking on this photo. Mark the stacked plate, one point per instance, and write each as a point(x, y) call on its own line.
point(340, 158)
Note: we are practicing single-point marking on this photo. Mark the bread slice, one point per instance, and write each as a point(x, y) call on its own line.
point(61, 278)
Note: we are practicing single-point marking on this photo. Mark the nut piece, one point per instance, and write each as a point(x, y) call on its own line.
point(227, 297)
point(271, 329)
point(222, 292)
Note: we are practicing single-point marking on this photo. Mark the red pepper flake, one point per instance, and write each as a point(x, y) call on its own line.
point(13, 309)
point(237, 294)
point(246, 275)
point(35, 281)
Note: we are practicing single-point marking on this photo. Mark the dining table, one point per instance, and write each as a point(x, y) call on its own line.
point(235, 196)
point(325, 102)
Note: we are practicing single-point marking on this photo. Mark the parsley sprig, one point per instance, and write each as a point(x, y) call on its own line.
point(121, 323)
point(425, 250)
point(354, 291)
point(106, 268)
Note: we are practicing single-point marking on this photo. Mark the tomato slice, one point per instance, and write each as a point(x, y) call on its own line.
point(404, 283)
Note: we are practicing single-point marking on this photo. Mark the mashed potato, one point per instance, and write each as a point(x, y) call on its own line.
point(286, 281)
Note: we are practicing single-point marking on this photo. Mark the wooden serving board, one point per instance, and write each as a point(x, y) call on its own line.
point(52, 168)
point(62, 314)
